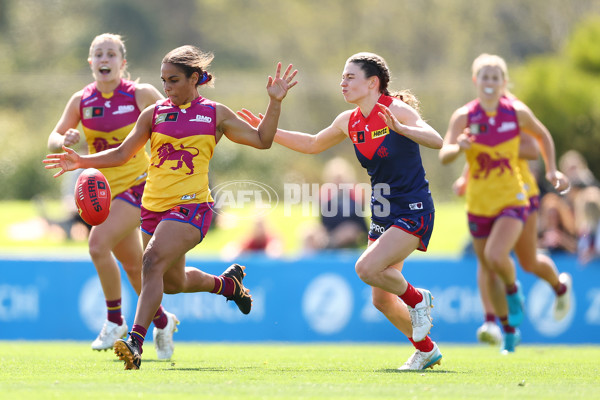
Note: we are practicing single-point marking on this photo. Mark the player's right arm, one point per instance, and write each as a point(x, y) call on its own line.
point(65, 132)
point(137, 138)
point(305, 142)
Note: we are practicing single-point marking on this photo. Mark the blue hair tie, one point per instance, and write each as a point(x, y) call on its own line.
point(204, 78)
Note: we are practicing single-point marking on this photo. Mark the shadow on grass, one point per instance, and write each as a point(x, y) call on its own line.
point(422, 371)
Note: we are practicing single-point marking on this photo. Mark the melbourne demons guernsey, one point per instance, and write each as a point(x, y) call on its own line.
point(495, 181)
point(182, 144)
point(392, 161)
point(107, 119)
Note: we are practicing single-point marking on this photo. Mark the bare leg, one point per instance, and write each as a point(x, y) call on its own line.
point(121, 222)
point(526, 250)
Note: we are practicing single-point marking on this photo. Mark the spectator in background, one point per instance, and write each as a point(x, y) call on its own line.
point(342, 224)
point(557, 232)
point(575, 167)
point(589, 230)
point(262, 239)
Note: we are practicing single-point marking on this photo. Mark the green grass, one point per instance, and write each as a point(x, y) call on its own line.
point(449, 236)
point(70, 370)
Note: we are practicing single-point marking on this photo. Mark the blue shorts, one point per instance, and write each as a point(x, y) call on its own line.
point(198, 214)
point(419, 225)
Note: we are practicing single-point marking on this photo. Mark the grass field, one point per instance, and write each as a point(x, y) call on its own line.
point(70, 370)
point(23, 231)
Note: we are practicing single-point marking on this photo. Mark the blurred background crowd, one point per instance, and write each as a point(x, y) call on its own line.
point(553, 53)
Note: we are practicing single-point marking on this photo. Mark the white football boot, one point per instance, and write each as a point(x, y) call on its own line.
point(562, 303)
point(489, 333)
point(163, 338)
point(421, 360)
point(108, 335)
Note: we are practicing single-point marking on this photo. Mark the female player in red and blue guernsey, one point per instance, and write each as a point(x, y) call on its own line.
point(108, 109)
point(176, 206)
point(386, 131)
point(497, 203)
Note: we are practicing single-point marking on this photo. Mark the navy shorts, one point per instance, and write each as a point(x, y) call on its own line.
point(419, 225)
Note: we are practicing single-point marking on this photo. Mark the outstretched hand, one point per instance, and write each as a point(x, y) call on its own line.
point(250, 118)
point(67, 161)
point(278, 87)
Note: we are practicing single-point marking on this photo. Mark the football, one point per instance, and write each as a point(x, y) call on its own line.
point(92, 196)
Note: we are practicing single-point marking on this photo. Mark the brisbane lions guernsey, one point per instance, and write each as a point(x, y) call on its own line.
point(107, 119)
point(182, 144)
point(495, 181)
point(393, 162)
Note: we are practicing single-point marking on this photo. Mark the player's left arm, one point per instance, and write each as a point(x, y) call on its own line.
point(530, 125)
point(405, 120)
point(146, 95)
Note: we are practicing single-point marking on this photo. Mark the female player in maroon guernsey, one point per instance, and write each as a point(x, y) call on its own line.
point(497, 203)
point(108, 109)
point(176, 206)
point(525, 249)
point(386, 131)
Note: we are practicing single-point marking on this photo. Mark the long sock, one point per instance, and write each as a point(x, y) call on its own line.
point(160, 318)
point(412, 296)
point(490, 317)
point(139, 333)
point(223, 285)
point(113, 311)
point(425, 345)
point(505, 326)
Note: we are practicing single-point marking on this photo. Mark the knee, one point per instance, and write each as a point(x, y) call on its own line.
point(363, 270)
point(150, 265)
point(495, 260)
point(98, 248)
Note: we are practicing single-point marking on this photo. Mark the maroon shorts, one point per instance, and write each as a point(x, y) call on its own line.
point(133, 195)
point(480, 227)
point(534, 203)
point(198, 214)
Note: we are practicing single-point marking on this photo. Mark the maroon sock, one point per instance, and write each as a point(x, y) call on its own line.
point(113, 311)
point(560, 289)
point(425, 345)
point(505, 326)
point(160, 318)
point(224, 286)
point(139, 333)
point(412, 296)
point(490, 317)
point(512, 288)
